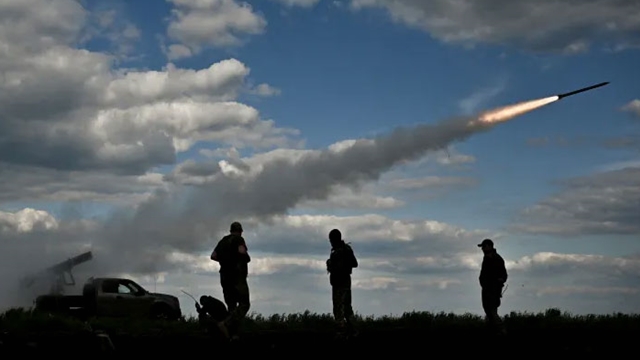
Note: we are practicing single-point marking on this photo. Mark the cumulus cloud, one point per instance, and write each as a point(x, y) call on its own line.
point(65, 108)
point(198, 24)
point(266, 90)
point(26, 220)
point(606, 202)
point(74, 129)
point(546, 25)
point(107, 21)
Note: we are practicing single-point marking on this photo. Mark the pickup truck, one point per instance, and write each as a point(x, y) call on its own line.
point(113, 297)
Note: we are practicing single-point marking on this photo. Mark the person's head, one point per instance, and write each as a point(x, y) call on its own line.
point(235, 228)
point(486, 245)
point(335, 237)
point(205, 300)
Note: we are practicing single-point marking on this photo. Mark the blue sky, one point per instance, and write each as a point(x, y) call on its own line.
point(330, 72)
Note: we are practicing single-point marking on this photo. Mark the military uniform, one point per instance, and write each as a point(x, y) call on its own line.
point(233, 277)
point(493, 276)
point(340, 264)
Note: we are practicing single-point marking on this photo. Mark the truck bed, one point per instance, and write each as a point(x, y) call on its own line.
point(60, 302)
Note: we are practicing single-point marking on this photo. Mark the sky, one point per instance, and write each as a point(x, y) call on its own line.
point(139, 130)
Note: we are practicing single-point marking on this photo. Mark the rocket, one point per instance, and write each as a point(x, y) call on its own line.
point(560, 96)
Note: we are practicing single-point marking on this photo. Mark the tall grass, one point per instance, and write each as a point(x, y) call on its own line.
point(22, 321)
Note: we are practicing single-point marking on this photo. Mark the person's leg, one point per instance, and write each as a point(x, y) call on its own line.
point(490, 304)
point(228, 292)
point(230, 295)
point(348, 311)
point(336, 303)
point(243, 299)
point(487, 306)
point(497, 319)
point(338, 297)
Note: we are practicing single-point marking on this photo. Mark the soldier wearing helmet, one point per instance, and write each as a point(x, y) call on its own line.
point(232, 254)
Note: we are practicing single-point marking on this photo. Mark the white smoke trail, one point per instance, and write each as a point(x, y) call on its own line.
point(168, 223)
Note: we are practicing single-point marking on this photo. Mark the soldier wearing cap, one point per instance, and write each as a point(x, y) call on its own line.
point(340, 265)
point(493, 276)
point(232, 254)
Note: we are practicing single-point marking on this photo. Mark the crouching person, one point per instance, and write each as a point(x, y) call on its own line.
point(211, 311)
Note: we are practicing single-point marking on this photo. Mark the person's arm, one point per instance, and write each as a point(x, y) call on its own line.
point(214, 254)
point(242, 250)
point(502, 271)
point(201, 312)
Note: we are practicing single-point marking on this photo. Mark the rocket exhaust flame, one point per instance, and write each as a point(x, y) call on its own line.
point(509, 112)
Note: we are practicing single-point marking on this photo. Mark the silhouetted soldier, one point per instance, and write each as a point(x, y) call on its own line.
point(340, 265)
point(211, 311)
point(493, 276)
point(232, 254)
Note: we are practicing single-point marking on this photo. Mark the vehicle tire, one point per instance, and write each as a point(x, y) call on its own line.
point(162, 312)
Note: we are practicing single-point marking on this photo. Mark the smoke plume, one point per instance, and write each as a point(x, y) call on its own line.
point(191, 219)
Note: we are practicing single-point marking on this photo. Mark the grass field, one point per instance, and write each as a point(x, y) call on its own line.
point(548, 333)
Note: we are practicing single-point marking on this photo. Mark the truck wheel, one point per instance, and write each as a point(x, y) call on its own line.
point(162, 312)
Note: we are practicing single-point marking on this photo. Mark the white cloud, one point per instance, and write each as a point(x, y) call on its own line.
point(606, 202)
point(347, 198)
point(26, 220)
point(89, 116)
point(27, 184)
point(110, 23)
point(544, 25)
point(633, 107)
point(266, 90)
point(198, 24)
